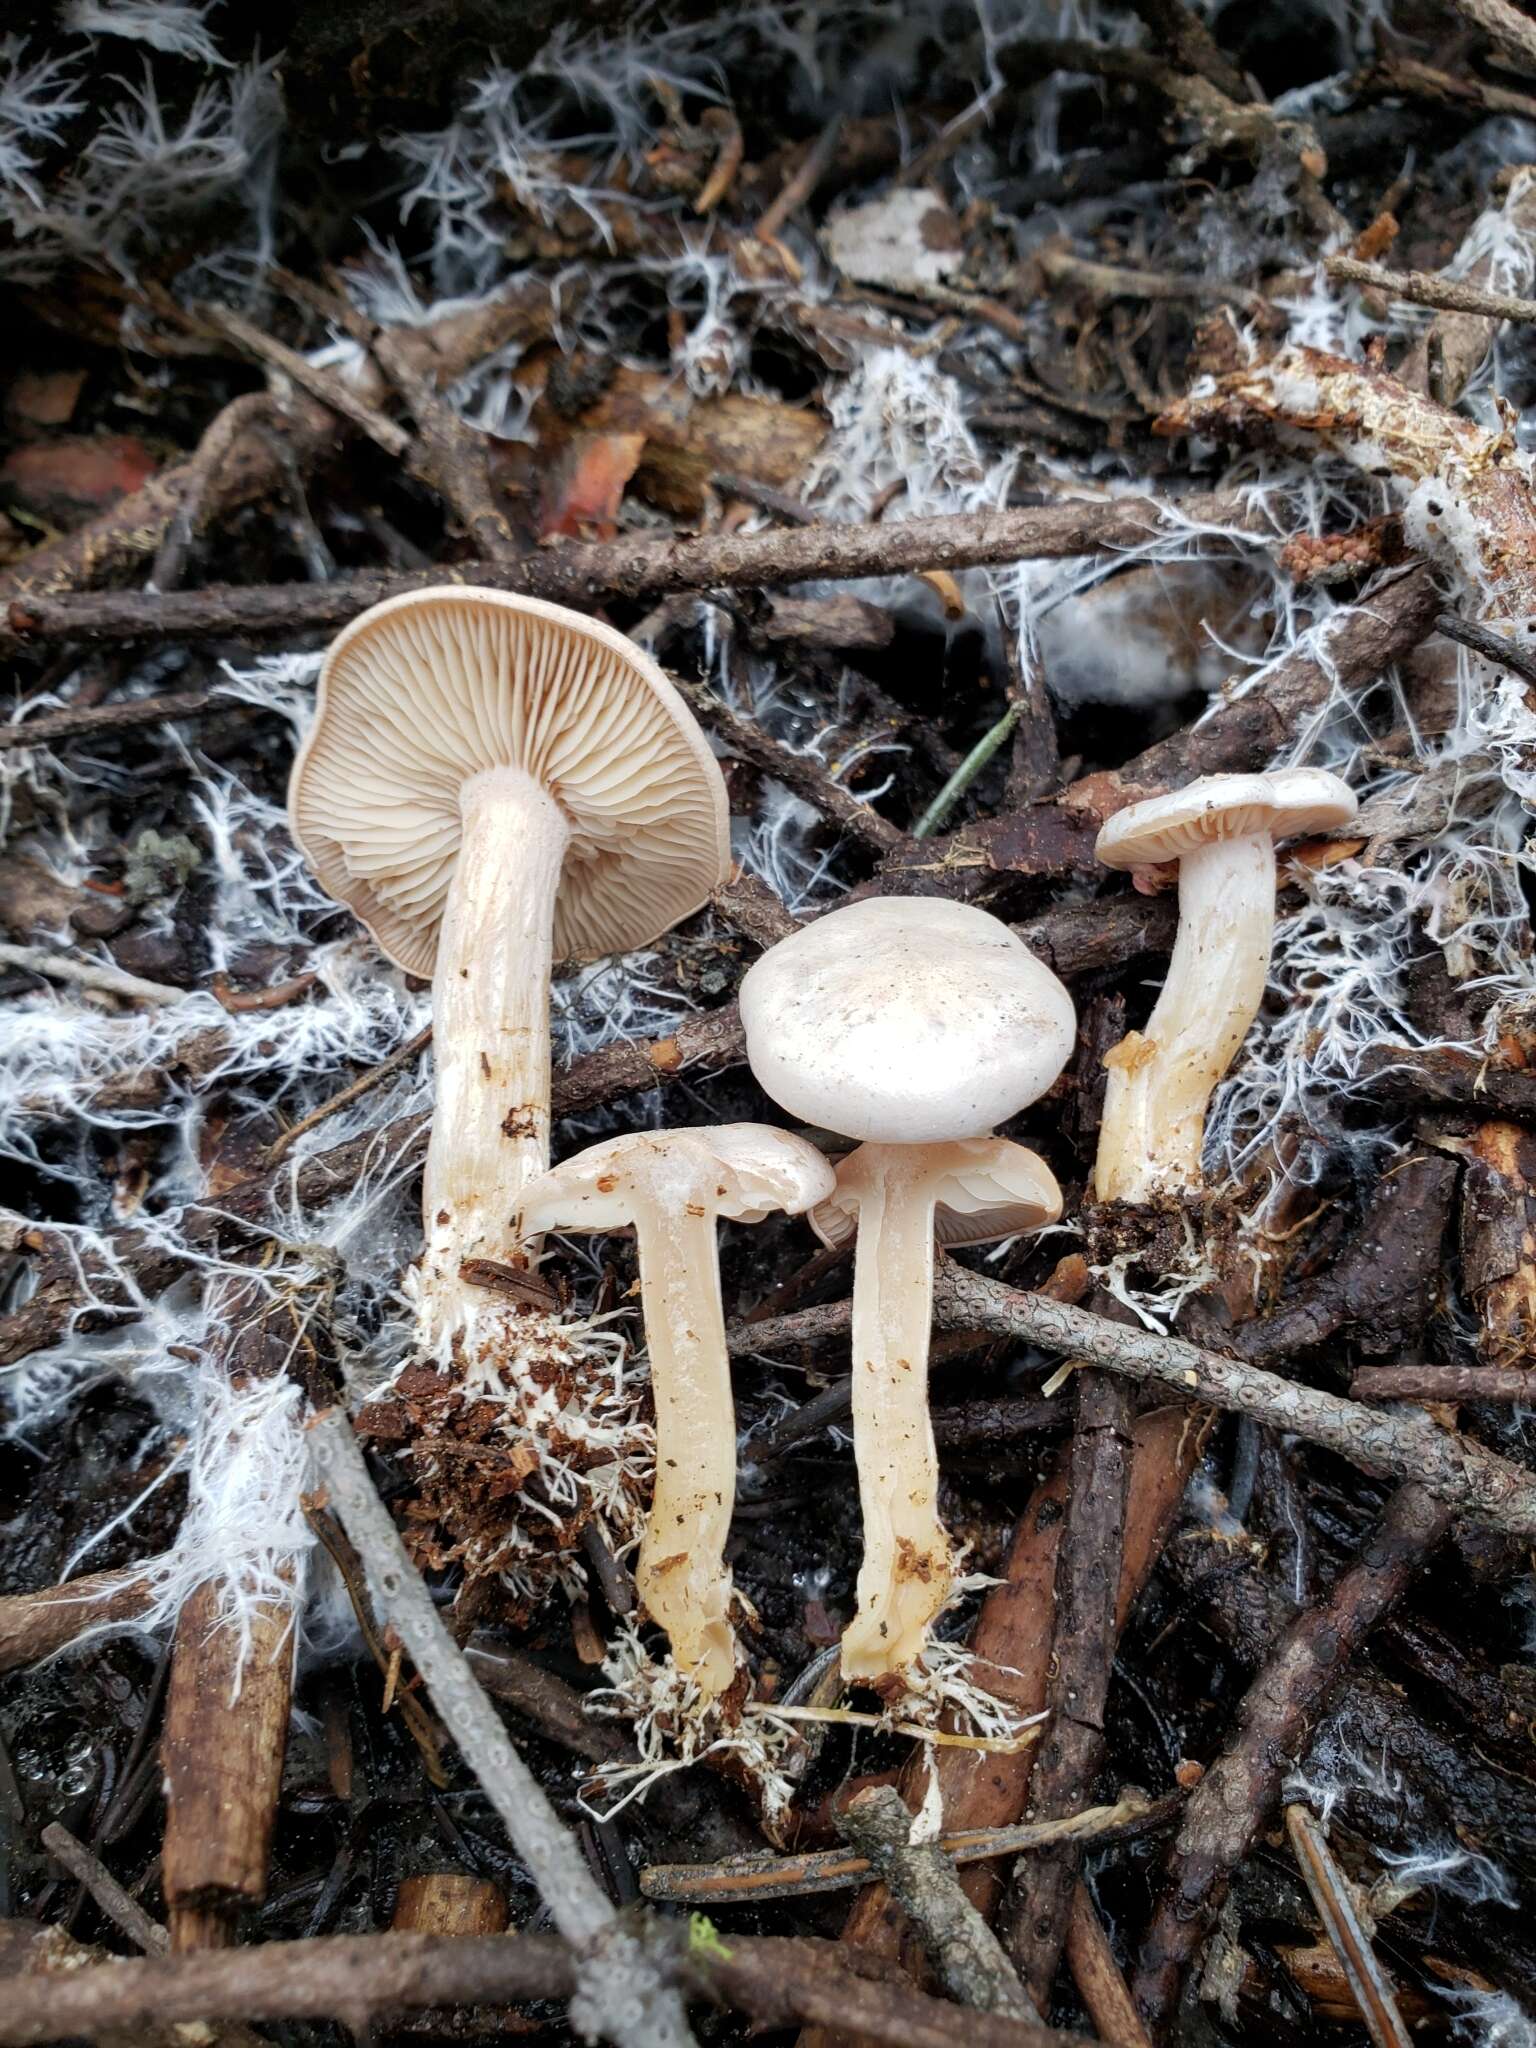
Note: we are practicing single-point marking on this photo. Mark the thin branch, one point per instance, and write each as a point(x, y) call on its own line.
point(120, 1908)
point(1429, 288)
point(1444, 1383)
point(325, 385)
point(1493, 646)
point(1457, 1472)
point(356, 1978)
point(1347, 1936)
point(1037, 1912)
point(402, 1056)
point(91, 974)
point(644, 568)
point(804, 774)
point(971, 1962)
point(744, 1880)
point(70, 723)
point(624, 1996)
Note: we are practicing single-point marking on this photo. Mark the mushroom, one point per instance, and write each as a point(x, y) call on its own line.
point(911, 1023)
point(899, 1198)
point(1222, 832)
point(672, 1187)
point(493, 783)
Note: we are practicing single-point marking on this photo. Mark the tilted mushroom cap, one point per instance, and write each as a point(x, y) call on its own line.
point(1290, 804)
point(426, 690)
point(988, 1188)
point(905, 1019)
point(743, 1171)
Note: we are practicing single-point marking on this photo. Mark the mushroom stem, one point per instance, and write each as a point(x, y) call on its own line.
point(1160, 1080)
point(681, 1573)
point(904, 1578)
point(490, 1031)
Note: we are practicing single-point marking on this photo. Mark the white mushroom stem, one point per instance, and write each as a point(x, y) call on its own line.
point(490, 1034)
point(681, 1571)
point(1160, 1080)
point(905, 1575)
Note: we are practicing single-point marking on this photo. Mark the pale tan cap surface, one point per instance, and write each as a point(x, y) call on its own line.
point(1292, 803)
point(986, 1188)
point(905, 1019)
point(426, 690)
point(743, 1171)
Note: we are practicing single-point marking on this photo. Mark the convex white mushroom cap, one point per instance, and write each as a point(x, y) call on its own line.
point(907, 1020)
point(430, 689)
point(984, 1189)
point(1292, 803)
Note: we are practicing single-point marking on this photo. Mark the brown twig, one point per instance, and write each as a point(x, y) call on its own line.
point(120, 1908)
point(640, 568)
point(448, 454)
point(1037, 1912)
point(1512, 34)
point(1191, 45)
point(402, 1056)
point(804, 774)
point(1236, 1796)
point(971, 1962)
point(1097, 1977)
point(36, 1625)
point(69, 724)
point(1444, 1383)
point(1335, 1903)
point(201, 474)
point(355, 1978)
point(1429, 288)
point(324, 385)
point(1059, 265)
point(1452, 1469)
point(1493, 646)
point(748, 1879)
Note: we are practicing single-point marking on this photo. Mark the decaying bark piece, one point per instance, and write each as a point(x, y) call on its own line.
point(1498, 1241)
point(1237, 1794)
point(226, 1726)
point(1466, 492)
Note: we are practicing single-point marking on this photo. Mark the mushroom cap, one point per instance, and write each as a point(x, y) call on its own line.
point(431, 688)
point(743, 1171)
point(1289, 804)
point(905, 1019)
point(985, 1188)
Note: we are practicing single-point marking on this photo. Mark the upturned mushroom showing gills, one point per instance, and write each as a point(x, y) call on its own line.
point(491, 784)
point(899, 1199)
point(916, 1025)
point(672, 1187)
point(1222, 831)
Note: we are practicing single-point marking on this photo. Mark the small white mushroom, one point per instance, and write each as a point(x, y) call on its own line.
point(1222, 832)
point(493, 783)
point(672, 1187)
point(914, 1024)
